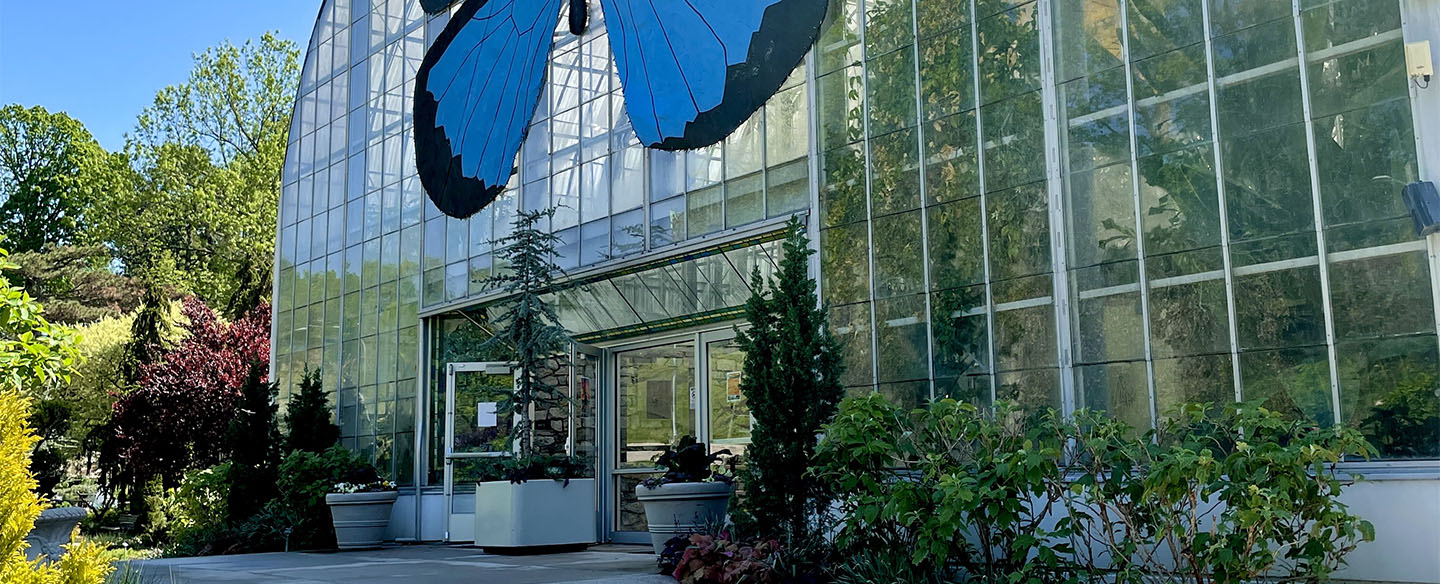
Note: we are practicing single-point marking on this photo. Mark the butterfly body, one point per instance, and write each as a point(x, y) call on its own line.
point(692, 71)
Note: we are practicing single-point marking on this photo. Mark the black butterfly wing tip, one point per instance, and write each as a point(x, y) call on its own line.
point(462, 203)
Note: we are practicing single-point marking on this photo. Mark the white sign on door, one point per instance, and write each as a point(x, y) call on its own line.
point(487, 415)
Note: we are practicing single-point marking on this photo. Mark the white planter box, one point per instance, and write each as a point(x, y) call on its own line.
point(361, 519)
point(538, 513)
point(682, 509)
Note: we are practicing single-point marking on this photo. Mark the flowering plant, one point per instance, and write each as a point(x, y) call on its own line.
point(371, 487)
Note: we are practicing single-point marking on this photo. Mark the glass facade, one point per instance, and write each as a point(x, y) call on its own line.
point(1117, 204)
point(361, 251)
point(1128, 204)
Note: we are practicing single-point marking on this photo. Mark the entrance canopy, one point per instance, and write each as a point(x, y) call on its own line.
point(698, 287)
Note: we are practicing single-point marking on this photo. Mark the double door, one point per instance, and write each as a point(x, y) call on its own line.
point(663, 390)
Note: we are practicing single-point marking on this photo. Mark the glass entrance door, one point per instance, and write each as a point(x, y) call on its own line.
point(475, 429)
point(685, 386)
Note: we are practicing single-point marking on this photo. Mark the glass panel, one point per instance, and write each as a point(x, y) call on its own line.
point(956, 244)
point(655, 401)
point(851, 326)
point(899, 255)
point(902, 339)
point(959, 327)
point(730, 420)
point(1119, 389)
point(891, 86)
point(844, 263)
point(479, 425)
point(895, 173)
point(1294, 382)
point(1387, 390)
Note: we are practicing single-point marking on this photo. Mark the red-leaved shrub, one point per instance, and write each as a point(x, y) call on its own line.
point(175, 419)
point(717, 559)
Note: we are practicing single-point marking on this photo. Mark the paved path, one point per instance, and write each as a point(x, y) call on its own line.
point(418, 564)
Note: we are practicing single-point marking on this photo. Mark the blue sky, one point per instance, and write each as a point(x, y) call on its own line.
point(102, 61)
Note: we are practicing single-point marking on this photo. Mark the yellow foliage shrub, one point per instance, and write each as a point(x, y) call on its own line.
point(19, 506)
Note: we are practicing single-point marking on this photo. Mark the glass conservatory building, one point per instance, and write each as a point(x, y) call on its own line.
point(1113, 204)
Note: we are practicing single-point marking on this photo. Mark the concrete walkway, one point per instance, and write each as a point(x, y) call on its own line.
point(417, 564)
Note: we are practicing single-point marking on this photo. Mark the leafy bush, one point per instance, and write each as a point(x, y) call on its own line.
point(305, 479)
point(517, 469)
point(1230, 495)
point(719, 559)
point(34, 355)
point(177, 417)
point(689, 461)
point(200, 504)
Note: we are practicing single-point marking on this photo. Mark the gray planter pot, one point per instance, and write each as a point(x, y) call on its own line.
point(361, 519)
point(682, 508)
point(52, 531)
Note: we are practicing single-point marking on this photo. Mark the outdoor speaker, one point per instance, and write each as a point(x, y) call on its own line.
point(1424, 204)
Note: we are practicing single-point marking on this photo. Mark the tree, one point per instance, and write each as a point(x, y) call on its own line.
point(528, 329)
point(176, 417)
point(199, 183)
point(253, 442)
point(791, 380)
point(75, 284)
point(33, 354)
point(308, 418)
point(45, 162)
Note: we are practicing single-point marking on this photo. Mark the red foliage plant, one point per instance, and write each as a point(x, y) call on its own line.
point(718, 559)
point(175, 419)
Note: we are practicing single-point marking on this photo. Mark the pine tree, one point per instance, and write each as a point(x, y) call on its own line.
point(791, 381)
point(254, 444)
point(528, 328)
point(150, 334)
point(308, 417)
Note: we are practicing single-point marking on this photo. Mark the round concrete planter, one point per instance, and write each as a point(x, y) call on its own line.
point(682, 509)
point(52, 531)
point(361, 519)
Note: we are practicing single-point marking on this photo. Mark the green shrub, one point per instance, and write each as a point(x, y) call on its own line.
point(308, 418)
point(1225, 494)
point(305, 479)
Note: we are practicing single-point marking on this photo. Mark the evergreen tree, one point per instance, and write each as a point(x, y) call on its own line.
point(528, 327)
point(254, 444)
point(791, 380)
point(150, 334)
point(308, 418)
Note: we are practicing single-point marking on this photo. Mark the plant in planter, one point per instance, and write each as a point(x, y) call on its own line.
point(689, 496)
point(512, 511)
point(361, 511)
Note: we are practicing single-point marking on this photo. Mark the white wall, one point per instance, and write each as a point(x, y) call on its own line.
point(1406, 514)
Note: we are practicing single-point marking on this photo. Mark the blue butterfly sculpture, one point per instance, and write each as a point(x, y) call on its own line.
point(692, 72)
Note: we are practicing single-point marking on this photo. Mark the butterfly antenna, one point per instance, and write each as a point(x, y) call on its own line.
point(579, 17)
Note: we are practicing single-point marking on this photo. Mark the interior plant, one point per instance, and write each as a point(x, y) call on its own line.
point(792, 383)
point(688, 497)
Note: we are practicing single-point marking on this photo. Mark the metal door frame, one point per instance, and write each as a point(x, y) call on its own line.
point(609, 424)
point(451, 369)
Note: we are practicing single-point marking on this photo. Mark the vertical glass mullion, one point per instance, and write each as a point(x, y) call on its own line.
point(1124, 7)
point(1320, 249)
point(1054, 186)
point(984, 196)
point(869, 205)
point(1220, 190)
point(924, 216)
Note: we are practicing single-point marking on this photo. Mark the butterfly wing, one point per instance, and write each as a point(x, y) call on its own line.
point(435, 6)
point(475, 94)
point(694, 70)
